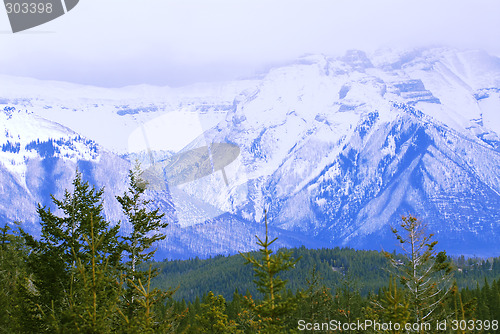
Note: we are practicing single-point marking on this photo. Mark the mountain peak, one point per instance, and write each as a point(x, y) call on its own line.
point(357, 59)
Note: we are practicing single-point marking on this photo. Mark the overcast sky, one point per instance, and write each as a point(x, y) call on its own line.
point(175, 42)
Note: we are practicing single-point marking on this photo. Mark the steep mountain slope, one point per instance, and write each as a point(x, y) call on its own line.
point(336, 148)
point(39, 158)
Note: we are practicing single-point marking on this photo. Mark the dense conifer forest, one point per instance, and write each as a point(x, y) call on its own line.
point(367, 270)
point(83, 276)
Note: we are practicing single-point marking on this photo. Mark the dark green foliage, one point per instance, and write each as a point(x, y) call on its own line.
point(92, 301)
point(83, 215)
point(275, 306)
point(223, 274)
point(13, 278)
point(73, 256)
point(316, 303)
point(150, 314)
point(347, 302)
point(74, 280)
point(145, 226)
point(391, 305)
point(235, 306)
point(212, 318)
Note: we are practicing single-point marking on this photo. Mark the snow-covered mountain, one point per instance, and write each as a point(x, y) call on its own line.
point(336, 148)
point(39, 158)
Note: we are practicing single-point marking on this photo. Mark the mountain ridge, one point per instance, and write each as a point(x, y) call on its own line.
point(335, 148)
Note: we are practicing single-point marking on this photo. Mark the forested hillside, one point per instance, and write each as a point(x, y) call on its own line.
point(367, 271)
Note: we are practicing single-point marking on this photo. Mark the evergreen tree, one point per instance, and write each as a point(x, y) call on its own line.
point(70, 245)
point(483, 307)
point(273, 308)
point(150, 303)
point(72, 280)
point(13, 276)
point(316, 302)
point(248, 320)
point(423, 272)
point(393, 306)
point(235, 306)
point(347, 301)
point(145, 226)
point(212, 318)
point(462, 311)
point(494, 300)
point(94, 295)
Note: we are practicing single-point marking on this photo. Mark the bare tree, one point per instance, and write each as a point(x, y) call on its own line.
point(423, 272)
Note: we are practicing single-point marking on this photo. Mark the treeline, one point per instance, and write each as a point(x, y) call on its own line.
point(83, 276)
point(368, 270)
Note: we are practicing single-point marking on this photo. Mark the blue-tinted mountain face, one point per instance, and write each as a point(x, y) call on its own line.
point(337, 149)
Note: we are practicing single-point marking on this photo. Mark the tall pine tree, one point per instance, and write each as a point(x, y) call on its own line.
point(425, 273)
point(145, 224)
point(274, 308)
point(145, 227)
